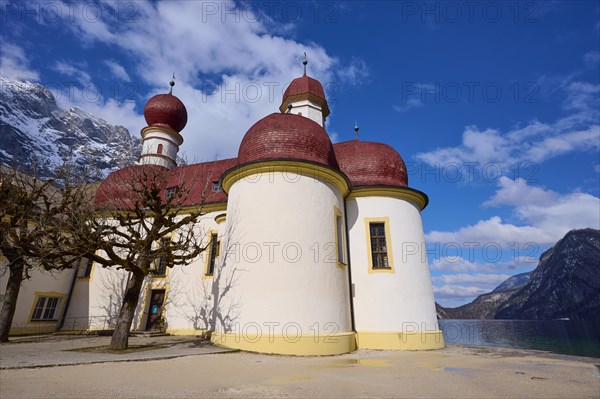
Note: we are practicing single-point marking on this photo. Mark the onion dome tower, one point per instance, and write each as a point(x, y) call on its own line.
point(393, 303)
point(305, 97)
point(286, 201)
point(166, 116)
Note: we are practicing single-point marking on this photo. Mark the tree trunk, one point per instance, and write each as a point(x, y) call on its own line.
point(120, 337)
point(10, 299)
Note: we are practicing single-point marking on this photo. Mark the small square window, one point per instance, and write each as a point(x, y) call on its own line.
point(170, 192)
point(216, 186)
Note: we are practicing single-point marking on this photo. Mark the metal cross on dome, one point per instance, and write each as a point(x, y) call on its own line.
point(304, 63)
point(172, 83)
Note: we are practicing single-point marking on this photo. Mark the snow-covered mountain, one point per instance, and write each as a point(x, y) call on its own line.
point(34, 129)
point(516, 281)
point(565, 284)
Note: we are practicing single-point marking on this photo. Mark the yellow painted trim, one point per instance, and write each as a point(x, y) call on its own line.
point(38, 328)
point(416, 197)
point(160, 129)
point(187, 331)
point(419, 340)
point(305, 345)
point(388, 244)
point(287, 166)
point(338, 213)
point(205, 274)
point(220, 218)
point(53, 294)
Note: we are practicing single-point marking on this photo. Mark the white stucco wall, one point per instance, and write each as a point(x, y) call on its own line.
point(96, 300)
point(309, 110)
point(56, 283)
point(282, 248)
point(391, 302)
point(150, 144)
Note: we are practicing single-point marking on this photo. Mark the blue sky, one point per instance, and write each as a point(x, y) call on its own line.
point(492, 104)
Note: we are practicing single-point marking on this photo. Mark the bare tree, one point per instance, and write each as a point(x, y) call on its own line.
point(145, 215)
point(33, 214)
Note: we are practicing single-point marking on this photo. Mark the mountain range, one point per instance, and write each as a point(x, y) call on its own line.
point(565, 284)
point(34, 129)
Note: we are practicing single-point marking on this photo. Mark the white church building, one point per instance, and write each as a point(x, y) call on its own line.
point(314, 248)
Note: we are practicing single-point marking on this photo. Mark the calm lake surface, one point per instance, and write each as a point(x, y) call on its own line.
point(570, 337)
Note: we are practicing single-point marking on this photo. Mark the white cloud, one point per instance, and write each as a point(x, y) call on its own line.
point(354, 73)
point(456, 292)
point(486, 279)
point(517, 192)
point(536, 141)
point(14, 64)
point(231, 67)
point(117, 70)
point(408, 104)
point(547, 217)
point(73, 70)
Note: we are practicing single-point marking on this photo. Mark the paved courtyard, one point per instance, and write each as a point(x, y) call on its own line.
point(187, 367)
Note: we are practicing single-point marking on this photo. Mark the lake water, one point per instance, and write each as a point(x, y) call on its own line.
point(570, 337)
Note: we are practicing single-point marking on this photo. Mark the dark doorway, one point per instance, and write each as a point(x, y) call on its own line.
point(157, 299)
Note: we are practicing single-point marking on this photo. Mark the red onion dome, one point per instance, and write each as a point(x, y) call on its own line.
point(305, 88)
point(304, 84)
point(287, 136)
point(371, 164)
point(166, 110)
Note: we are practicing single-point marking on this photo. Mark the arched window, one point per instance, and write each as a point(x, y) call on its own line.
point(159, 150)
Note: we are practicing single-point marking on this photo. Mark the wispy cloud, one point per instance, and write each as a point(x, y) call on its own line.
point(533, 142)
point(117, 70)
point(230, 71)
point(408, 105)
point(546, 216)
point(73, 70)
point(356, 72)
point(14, 64)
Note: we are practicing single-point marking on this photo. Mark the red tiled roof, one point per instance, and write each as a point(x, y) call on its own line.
point(287, 136)
point(371, 164)
point(166, 110)
point(116, 191)
point(302, 85)
point(199, 180)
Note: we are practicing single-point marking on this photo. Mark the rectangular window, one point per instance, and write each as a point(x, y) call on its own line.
point(170, 192)
point(379, 251)
point(216, 186)
point(214, 252)
point(160, 269)
point(85, 267)
point(46, 308)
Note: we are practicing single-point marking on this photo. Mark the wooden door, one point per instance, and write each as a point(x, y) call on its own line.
point(157, 299)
